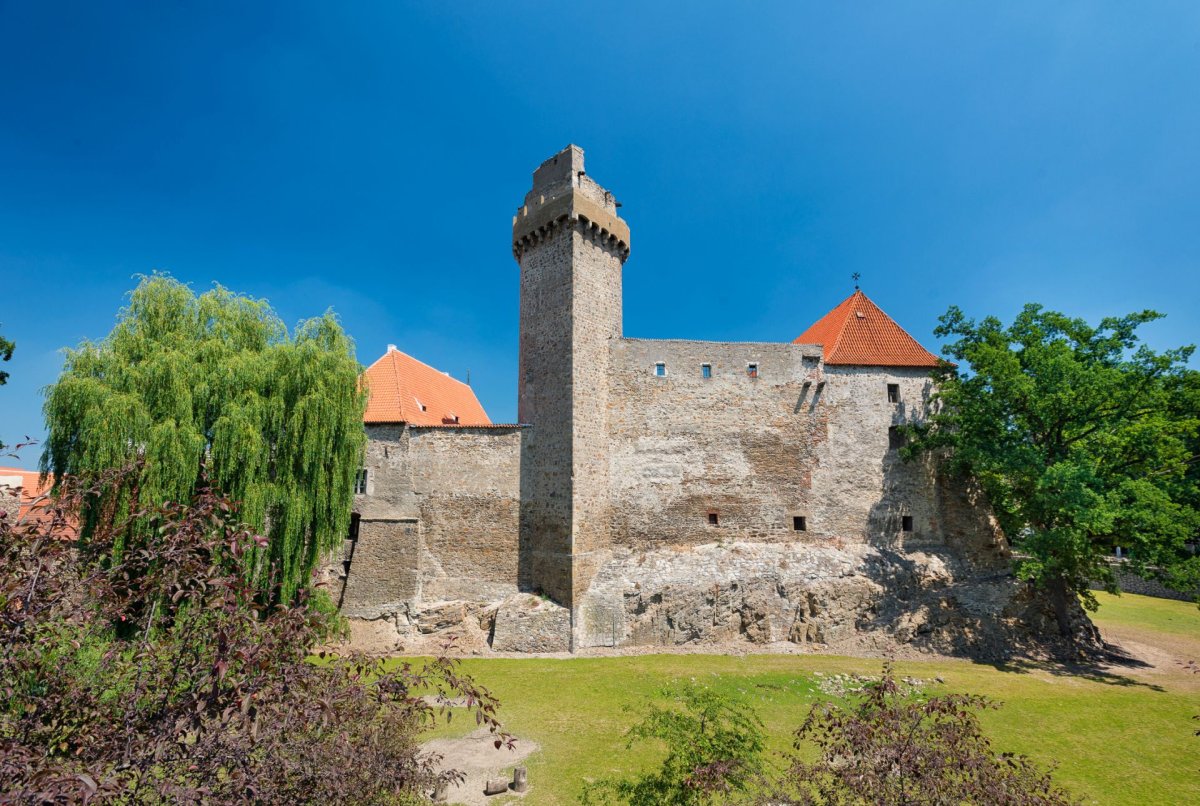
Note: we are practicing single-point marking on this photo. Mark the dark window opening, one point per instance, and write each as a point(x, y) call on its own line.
point(348, 554)
point(799, 523)
point(896, 438)
point(906, 523)
point(706, 370)
point(660, 369)
point(752, 370)
point(360, 482)
point(713, 519)
point(893, 390)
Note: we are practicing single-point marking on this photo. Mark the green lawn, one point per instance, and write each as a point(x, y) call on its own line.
point(1118, 738)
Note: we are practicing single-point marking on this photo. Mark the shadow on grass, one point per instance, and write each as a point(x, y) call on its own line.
point(1099, 670)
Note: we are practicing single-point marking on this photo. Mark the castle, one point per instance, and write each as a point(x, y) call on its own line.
point(665, 492)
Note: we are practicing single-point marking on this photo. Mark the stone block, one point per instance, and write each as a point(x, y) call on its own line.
point(526, 623)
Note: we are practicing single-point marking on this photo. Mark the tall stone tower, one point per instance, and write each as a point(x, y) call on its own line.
point(571, 245)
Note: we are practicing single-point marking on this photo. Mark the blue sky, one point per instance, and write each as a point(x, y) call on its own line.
point(368, 157)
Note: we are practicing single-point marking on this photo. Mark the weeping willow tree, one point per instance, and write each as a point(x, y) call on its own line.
point(212, 390)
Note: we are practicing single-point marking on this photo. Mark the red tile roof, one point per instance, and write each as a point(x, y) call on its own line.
point(401, 389)
point(858, 332)
point(27, 490)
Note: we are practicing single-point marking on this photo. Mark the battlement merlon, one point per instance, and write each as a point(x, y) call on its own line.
point(563, 193)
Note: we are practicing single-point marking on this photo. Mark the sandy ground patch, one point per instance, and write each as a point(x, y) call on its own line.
point(1152, 654)
point(477, 757)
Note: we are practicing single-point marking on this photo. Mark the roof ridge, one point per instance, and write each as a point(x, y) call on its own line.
point(417, 393)
point(897, 325)
point(399, 392)
point(841, 331)
point(394, 349)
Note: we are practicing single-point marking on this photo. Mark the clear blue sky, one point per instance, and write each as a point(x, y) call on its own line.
point(368, 157)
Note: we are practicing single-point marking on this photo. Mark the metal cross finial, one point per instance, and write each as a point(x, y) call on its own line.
point(855, 277)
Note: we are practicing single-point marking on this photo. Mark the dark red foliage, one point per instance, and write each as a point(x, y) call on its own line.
point(161, 679)
point(891, 748)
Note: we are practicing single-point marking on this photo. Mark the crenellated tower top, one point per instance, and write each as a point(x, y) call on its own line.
point(563, 194)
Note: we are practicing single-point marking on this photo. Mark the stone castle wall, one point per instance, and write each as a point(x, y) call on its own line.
point(795, 439)
point(439, 520)
point(798, 439)
point(659, 510)
point(685, 446)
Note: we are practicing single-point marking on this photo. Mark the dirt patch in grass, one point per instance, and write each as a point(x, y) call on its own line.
point(478, 758)
point(1149, 637)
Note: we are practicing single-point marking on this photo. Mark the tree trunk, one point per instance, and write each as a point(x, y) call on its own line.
point(1060, 593)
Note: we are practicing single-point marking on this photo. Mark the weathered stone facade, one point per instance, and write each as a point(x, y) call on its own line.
point(669, 492)
point(438, 522)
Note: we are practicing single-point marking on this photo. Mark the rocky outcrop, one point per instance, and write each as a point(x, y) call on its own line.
point(840, 599)
point(528, 623)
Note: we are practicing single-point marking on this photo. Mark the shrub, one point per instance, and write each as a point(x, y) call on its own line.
point(161, 679)
point(714, 746)
point(892, 747)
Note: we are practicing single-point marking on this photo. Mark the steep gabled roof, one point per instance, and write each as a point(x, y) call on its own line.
point(401, 389)
point(858, 332)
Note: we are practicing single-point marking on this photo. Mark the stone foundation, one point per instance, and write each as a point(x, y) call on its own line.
point(746, 596)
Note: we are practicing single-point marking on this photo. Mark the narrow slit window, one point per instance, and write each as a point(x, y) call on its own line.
point(799, 523)
point(714, 519)
point(893, 390)
point(660, 369)
point(752, 370)
point(360, 482)
point(706, 370)
point(906, 523)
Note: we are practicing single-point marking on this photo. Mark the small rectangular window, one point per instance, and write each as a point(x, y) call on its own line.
point(752, 370)
point(660, 369)
point(706, 370)
point(906, 523)
point(360, 482)
point(714, 519)
point(799, 523)
point(893, 390)
point(895, 438)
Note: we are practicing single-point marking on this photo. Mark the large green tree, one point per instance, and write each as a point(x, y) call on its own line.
point(1083, 438)
point(213, 390)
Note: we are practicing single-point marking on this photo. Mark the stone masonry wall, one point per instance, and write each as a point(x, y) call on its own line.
point(863, 487)
point(439, 520)
point(798, 439)
point(685, 446)
point(545, 401)
point(597, 325)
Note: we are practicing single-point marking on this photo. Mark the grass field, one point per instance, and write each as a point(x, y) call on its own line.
point(1122, 736)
